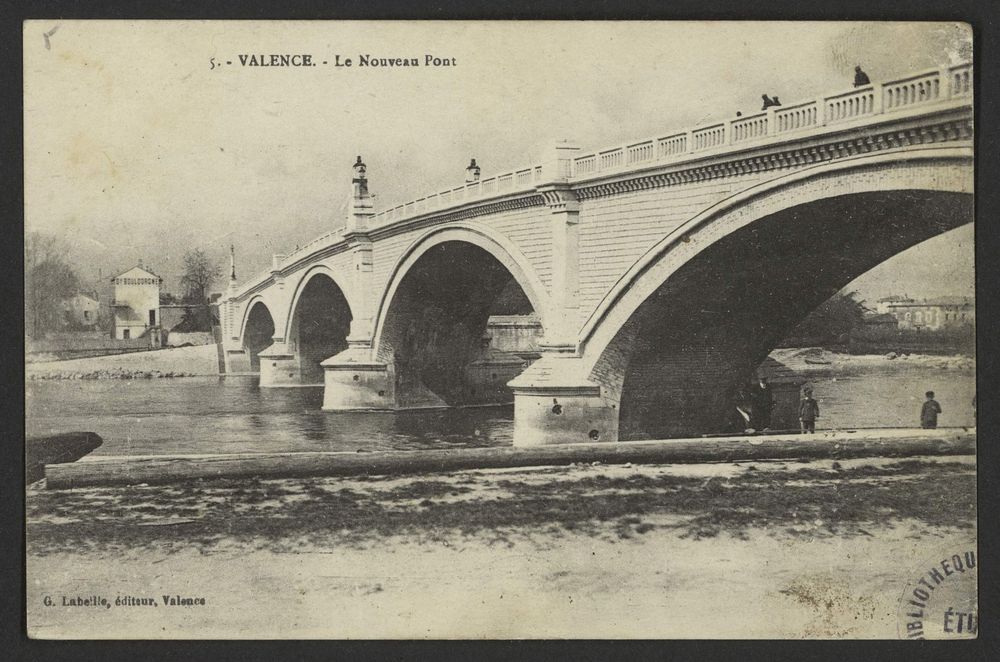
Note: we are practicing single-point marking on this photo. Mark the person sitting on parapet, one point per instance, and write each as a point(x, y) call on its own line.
point(769, 101)
point(929, 412)
point(860, 77)
point(808, 411)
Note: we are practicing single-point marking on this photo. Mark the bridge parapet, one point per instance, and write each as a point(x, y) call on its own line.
point(522, 180)
point(927, 88)
point(925, 91)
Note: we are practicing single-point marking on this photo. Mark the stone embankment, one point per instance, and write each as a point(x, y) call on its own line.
point(116, 373)
point(155, 364)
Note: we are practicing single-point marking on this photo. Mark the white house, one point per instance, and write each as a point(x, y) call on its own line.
point(136, 302)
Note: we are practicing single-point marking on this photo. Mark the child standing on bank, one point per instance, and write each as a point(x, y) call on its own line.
point(808, 411)
point(929, 412)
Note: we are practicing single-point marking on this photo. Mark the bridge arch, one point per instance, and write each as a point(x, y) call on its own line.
point(441, 293)
point(318, 321)
point(714, 296)
point(302, 281)
point(256, 330)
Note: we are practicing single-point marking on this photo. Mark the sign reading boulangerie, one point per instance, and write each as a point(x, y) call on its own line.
point(499, 330)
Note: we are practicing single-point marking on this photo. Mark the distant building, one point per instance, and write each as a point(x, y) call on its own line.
point(81, 311)
point(883, 306)
point(930, 314)
point(136, 302)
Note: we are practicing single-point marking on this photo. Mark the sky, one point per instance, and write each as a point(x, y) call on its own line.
point(140, 144)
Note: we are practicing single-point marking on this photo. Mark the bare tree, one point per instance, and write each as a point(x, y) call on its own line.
point(199, 274)
point(48, 281)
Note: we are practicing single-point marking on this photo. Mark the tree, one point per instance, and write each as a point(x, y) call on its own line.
point(199, 274)
point(835, 317)
point(196, 318)
point(166, 299)
point(48, 281)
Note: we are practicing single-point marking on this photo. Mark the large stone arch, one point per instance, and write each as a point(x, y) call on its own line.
point(501, 248)
point(302, 279)
point(431, 318)
point(256, 330)
point(318, 286)
point(255, 300)
point(659, 317)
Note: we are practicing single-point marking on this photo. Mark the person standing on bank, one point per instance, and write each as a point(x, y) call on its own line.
point(808, 411)
point(763, 404)
point(929, 412)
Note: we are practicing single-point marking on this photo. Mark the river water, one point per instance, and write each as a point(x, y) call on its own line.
point(197, 415)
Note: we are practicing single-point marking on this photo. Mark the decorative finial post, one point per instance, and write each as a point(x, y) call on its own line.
point(472, 172)
point(232, 262)
point(360, 179)
point(361, 207)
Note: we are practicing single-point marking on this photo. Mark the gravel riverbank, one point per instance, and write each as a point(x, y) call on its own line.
point(160, 363)
point(750, 549)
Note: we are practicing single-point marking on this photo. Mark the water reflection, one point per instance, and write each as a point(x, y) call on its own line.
point(213, 415)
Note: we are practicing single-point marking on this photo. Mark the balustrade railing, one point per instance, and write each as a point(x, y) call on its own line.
point(518, 180)
point(612, 158)
point(584, 165)
point(672, 145)
point(798, 116)
point(749, 128)
point(708, 137)
point(898, 95)
point(849, 105)
point(960, 80)
point(913, 90)
point(641, 152)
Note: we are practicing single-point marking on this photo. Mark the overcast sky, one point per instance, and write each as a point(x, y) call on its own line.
point(136, 149)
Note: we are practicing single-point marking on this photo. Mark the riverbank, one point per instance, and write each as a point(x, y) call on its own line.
point(203, 360)
point(159, 363)
point(757, 549)
point(815, 360)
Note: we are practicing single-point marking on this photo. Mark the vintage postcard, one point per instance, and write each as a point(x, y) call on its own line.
point(367, 330)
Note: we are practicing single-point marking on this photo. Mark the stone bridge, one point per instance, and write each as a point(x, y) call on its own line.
point(659, 273)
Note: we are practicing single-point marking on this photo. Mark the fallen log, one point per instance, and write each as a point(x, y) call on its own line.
point(40, 451)
point(867, 443)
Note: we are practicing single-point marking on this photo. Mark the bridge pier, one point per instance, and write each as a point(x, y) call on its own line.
point(352, 384)
point(555, 404)
point(279, 366)
point(237, 361)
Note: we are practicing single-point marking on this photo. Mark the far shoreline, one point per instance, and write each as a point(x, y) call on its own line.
point(201, 361)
